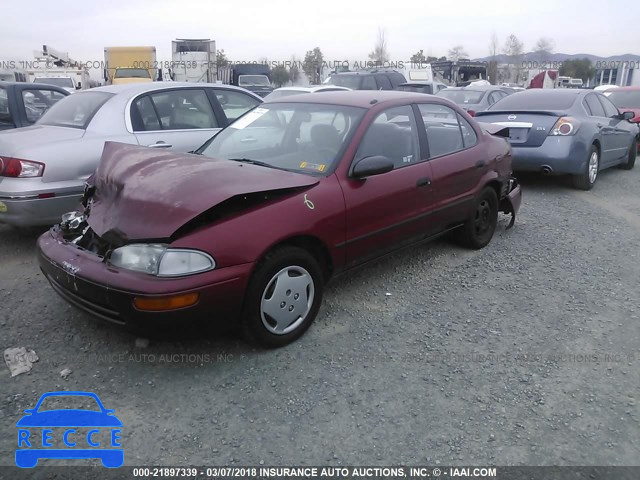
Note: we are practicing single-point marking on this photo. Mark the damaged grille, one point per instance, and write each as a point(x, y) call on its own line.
point(88, 240)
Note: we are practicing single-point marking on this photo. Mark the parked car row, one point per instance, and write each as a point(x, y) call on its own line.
point(194, 202)
point(43, 167)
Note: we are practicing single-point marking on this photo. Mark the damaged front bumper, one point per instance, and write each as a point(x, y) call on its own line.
point(510, 203)
point(87, 281)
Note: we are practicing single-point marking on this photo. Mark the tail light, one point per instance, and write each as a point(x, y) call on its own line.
point(471, 113)
point(16, 168)
point(565, 126)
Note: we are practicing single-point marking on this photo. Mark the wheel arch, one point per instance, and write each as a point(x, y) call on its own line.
point(316, 247)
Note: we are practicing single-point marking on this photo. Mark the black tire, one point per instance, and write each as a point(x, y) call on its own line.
point(631, 159)
point(258, 326)
point(478, 230)
point(584, 181)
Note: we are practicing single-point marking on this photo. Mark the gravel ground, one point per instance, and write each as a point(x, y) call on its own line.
point(524, 353)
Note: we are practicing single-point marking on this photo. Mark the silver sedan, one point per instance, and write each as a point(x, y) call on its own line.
point(43, 167)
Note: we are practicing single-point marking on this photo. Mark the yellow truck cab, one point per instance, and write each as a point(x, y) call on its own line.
point(129, 65)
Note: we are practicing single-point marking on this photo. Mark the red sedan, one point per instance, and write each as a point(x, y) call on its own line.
point(627, 99)
point(254, 224)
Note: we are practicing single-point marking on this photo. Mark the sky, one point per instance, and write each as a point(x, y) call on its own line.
point(344, 30)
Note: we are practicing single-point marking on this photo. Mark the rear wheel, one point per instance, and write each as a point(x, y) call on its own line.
point(478, 230)
point(283, 297)
point(631, 159)
point(587, 179)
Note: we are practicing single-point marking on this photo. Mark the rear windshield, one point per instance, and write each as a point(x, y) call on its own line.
point(5, 116)
point(75, 111)
point(462, 97)
point(535, 100)
point(625, 98)
point(349, 81)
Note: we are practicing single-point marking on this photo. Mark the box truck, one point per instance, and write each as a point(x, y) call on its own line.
point(130, 65)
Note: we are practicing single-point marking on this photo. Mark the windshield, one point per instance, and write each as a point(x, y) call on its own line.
point(132, 73)
point(64, 82)
point(299, 137)
point(283, 93)
point(5, 116)
point(462, 97)
point(254, 80)
point(76, 110)
point(625, 98)
point(349, 81)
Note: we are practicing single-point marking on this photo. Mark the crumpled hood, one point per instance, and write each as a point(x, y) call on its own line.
point(145, 194)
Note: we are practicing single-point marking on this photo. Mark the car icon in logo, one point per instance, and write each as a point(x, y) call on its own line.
point(47, 431)
point(511, 117)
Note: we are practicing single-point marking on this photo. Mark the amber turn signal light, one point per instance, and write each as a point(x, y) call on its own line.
point(173, 302)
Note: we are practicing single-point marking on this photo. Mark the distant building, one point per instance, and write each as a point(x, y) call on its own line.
point(624, 75)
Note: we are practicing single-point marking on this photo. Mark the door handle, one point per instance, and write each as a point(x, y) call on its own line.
point(480, 163)
point(160, 145)
point(423, 182)
point(248, 140)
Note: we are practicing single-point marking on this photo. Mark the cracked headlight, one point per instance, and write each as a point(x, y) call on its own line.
point(160, 260)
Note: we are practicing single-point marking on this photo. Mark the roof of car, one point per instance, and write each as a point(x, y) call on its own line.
point(134, 88)
point(311, 88)
point(355, 98)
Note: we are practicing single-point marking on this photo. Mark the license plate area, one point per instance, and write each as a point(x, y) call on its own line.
point(518, 135)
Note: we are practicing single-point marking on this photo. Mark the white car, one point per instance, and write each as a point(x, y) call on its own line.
point(286, 91)
point(43, 167)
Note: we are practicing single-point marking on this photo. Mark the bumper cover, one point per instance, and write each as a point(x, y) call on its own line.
point(510, 204)
point(85, 281)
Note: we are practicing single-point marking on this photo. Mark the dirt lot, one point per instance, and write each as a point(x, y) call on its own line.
point(524, 353)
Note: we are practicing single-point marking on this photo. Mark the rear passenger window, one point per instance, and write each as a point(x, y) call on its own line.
point(184, 109)
point(368, 83)
point(383, 82)
point(38, 101)
point(594, 106)
point(609, 108)
point(392, 134)
point(143, 116)
point(444, 133)
point(469, 136)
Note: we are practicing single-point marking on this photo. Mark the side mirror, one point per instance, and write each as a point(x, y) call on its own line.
point(79, 86)
point(370, 166)
point(626, 116)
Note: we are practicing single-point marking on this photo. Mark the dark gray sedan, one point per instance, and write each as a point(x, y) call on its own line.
point(565, 131)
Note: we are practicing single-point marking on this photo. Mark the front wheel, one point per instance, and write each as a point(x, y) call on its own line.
point(283, 297)
point(587, 179)
point(631, 159)
point(478, 230)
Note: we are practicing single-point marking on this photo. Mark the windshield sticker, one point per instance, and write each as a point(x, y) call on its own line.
point(318, 167)
point(249, 118)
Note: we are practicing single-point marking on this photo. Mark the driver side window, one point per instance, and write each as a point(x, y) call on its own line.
point(393, 134)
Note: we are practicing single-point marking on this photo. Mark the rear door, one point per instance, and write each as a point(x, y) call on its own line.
point(388, 210)
point(457, 162)
point(177, 119)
